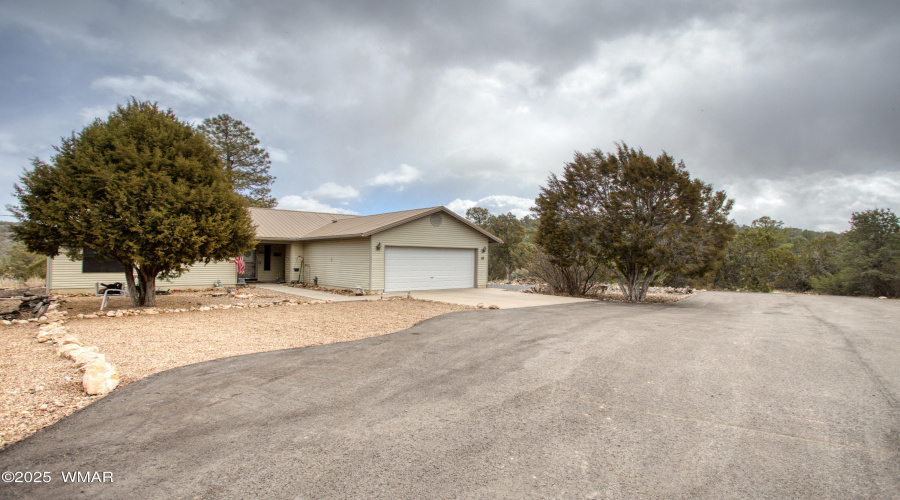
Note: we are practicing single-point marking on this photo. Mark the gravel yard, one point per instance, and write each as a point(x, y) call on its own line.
point(37, 387)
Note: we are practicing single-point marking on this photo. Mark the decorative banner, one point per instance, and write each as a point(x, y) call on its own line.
point(240, 264)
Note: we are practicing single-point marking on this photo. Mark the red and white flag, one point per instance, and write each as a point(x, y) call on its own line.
point(240, 264)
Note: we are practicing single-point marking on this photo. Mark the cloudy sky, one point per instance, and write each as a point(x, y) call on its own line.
point(368, 107)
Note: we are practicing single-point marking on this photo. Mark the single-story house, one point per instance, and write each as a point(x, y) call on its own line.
point(423, 249)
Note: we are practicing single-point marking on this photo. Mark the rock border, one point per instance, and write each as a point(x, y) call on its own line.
point(98, 377)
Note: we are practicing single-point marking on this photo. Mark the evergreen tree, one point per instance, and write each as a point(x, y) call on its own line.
point(870, 257)
point(643, 217)
point(513, 252)
point(142, 188)
point(246, 164)
point(759, 258)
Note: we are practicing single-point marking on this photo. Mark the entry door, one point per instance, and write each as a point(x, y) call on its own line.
point(249, 265)
point(408, 268)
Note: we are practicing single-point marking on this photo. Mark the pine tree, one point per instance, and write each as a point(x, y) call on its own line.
point(246, 164)
point(142, 188)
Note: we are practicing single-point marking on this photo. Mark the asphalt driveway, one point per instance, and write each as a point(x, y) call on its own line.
point(720, 395)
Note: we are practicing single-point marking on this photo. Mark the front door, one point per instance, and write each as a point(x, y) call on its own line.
point(249, 265)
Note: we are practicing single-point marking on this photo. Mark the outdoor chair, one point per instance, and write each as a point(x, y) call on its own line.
point(109, 291)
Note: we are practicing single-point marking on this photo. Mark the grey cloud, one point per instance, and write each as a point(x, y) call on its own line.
point(486, 98)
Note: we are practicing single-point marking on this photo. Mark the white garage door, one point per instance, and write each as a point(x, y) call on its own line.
point(428, 268)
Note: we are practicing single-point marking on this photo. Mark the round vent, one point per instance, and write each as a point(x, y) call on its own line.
point(436, 220)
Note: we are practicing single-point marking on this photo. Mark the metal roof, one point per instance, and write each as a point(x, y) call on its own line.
point(273, 224)
point(294, 225)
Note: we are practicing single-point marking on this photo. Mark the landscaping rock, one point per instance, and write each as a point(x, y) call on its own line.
point(99, 377)
point(64, 349)
point(493, 306)
point(66, 338)
point(81, 351)
point(82, 357)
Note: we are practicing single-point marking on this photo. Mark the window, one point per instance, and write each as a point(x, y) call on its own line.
point(267, 257)
point(98, 263)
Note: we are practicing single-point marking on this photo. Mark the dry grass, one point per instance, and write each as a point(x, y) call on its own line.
point(37, 388)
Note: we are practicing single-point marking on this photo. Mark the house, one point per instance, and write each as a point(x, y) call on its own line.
point(422, 249)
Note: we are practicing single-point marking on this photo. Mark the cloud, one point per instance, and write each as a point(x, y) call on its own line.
point(294, 202)
point(496, 204)
point(150, 87)
point(331, 190)
point(9, 145)
point(91, 113)
point(404, 174)
point(823, 201)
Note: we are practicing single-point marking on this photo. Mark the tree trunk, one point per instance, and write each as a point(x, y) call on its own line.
point(147, 286)
point(635, 284)
point(129, 282)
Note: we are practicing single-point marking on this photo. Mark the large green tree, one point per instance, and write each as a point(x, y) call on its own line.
point(870, 257)
point(513, 253)
point(759, 258)
point(246, 164)
point(643, 217)
point(142, 188)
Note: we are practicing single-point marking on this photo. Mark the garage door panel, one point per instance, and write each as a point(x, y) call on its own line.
point(408, 268)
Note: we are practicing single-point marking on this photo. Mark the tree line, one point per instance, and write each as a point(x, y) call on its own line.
point(766, 256)
point(636, 221)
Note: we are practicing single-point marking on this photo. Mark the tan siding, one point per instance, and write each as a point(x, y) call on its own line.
point(67, 276)
point(292, 260)
point(420, 233)
point(339, 263)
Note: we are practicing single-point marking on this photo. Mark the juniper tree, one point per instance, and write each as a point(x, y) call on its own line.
point(640, 216)
point(245, 163)
point(870, 257)
point(142, 188)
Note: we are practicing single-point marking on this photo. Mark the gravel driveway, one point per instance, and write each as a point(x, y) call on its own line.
point(722, 395)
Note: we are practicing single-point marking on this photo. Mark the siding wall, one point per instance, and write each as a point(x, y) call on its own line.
point(66, 276)
point(420, 233)
point(292, 259)
point(338, 263)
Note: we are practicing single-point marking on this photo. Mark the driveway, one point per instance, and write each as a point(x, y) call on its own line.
point(720, 395)
point(505, 299)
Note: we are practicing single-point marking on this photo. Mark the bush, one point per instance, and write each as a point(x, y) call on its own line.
point(570, 280)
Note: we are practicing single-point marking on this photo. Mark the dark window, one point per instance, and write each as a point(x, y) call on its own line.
point(267, 258)
point(98, 263)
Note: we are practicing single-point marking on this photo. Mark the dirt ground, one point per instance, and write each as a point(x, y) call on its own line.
point(38, 388)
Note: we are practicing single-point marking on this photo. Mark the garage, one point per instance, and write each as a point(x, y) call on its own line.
point(411, 268)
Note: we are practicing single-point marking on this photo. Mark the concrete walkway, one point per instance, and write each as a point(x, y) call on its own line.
point(318, 294)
